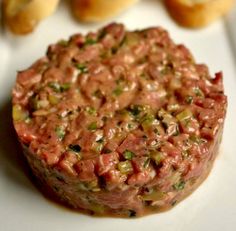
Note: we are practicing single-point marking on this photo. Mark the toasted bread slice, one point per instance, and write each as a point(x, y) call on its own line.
point(97, 10)
point(22, 16)
point(197, 13)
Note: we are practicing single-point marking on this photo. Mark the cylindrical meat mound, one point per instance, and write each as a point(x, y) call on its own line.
point(119, 122)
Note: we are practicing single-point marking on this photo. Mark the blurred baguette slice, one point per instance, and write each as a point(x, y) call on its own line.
point(197, 13)
point(98, 10)
point(22, 16)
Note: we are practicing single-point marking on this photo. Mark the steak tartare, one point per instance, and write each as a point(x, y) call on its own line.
point(119, 122)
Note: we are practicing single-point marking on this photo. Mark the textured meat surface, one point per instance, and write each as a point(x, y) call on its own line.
point(119, 122)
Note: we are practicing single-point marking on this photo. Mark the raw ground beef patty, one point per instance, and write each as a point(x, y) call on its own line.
point(119, 122)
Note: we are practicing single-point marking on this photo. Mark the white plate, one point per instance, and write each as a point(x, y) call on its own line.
point(211, 207)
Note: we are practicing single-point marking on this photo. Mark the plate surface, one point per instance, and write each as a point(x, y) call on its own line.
point(211, 207)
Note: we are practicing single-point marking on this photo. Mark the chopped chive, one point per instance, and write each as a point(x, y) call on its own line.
point(92, 126)
point(90, 41)
point(179, 186)
point(60, 131)
point(128, 155)
point(99, 147)
point(82, 67)
point(130, 126)
point(198, 91)
point(147, 120)
point(59, 88)
point(65, 86)
point(135, 110)
point(55, 86)
point(91, 110)
point(189, 99)
point(118, 91)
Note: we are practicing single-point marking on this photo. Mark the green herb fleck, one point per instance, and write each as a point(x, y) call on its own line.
point(189, 99)
point(55, 86)
point(90, 41)
point(147, 120)
point(82, 67)
point(130, 126)
point(97, 146)
point(135, 110)
point(91, 110)
point(65, 87)
point(60, 131)
point(59, 88)
point(128, 155)
point(198, 91)
point(118, 91)
point(179, 186)
point(92, 126)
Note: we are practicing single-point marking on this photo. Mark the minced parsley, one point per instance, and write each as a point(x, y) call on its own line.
point(128, 155)
point(92, 126)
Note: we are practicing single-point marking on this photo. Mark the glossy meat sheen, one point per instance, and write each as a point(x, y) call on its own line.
point(119, 122)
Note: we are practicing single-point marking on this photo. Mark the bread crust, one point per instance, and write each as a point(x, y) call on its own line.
point(22, 16)
point(193, 14)
point(98, 10)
